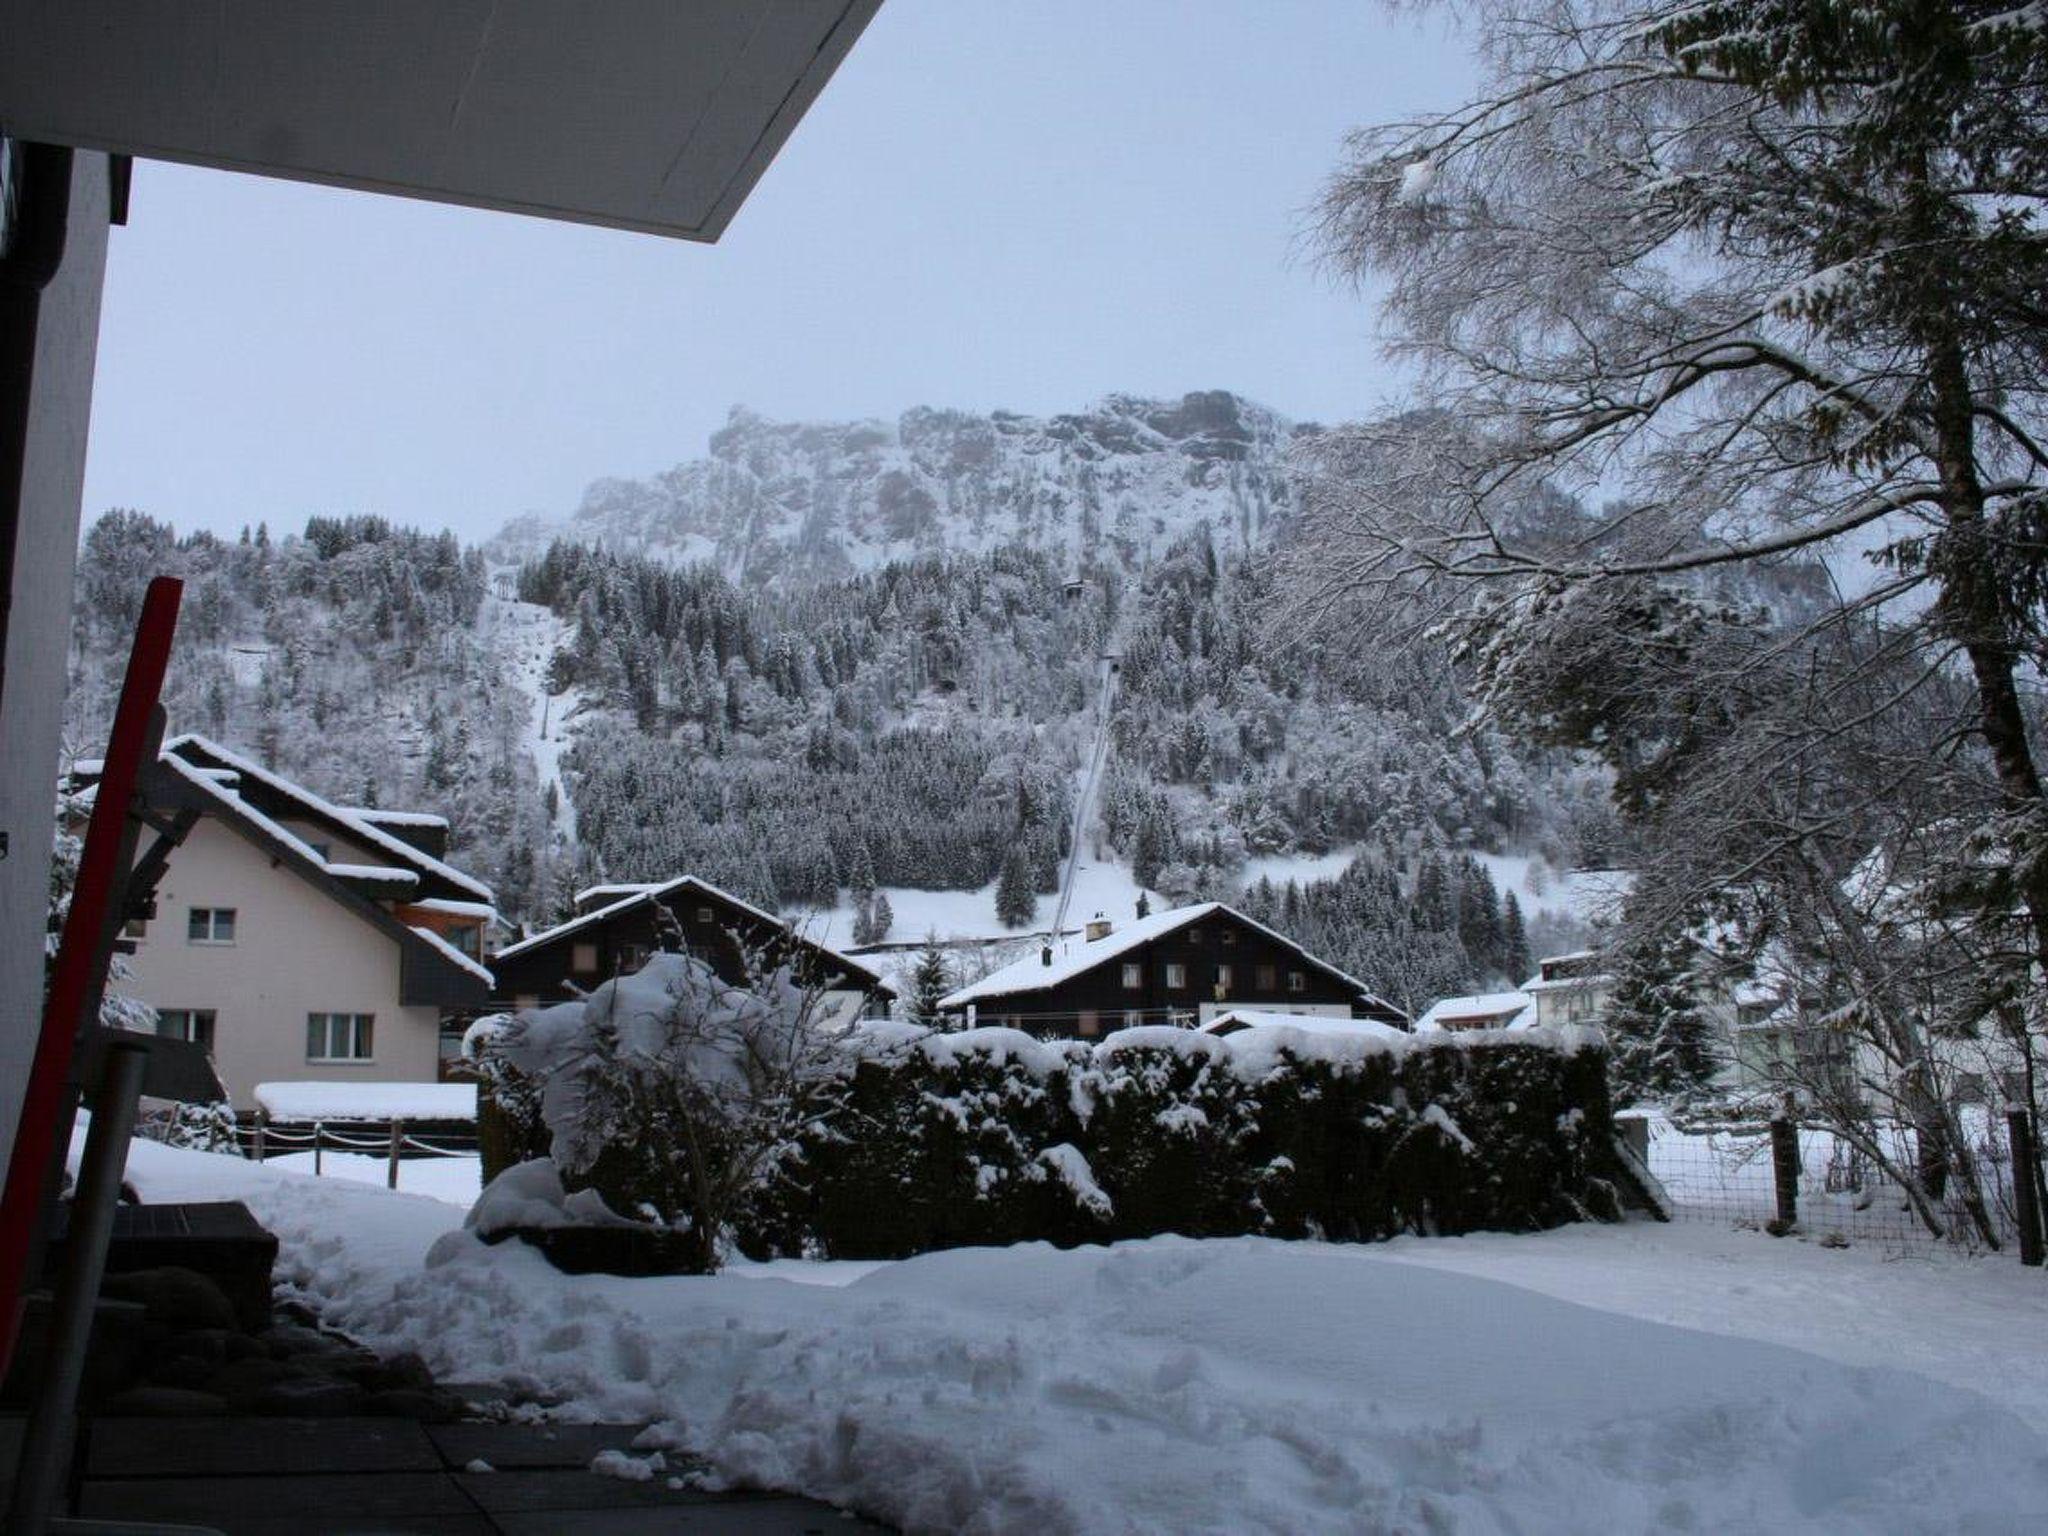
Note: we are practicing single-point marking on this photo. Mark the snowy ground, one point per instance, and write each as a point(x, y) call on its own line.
point(452, 1179)
point(527, 635)
point(1597, 1378)
point(1103, 885)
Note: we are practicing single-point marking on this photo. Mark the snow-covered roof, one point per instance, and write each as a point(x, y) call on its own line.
point(405, 854)
point(618, 890)
point(455, 956)
point(642, 893)
point(367, 1101)
point(396, 818)
point(234, 805)
point(480, 909)
point(1238, 1020)
point(1075, 957)
point(1568, 983)
point(1491, 1010)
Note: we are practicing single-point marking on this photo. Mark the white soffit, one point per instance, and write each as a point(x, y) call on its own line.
point(654, 115)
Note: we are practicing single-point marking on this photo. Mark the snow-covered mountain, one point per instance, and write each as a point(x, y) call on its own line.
point(1112, 485)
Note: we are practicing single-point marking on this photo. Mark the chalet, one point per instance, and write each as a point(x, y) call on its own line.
point(1186, 966)
point(1571, 989)
point(297, 939)
point(618, 926)
point(1488, 1010)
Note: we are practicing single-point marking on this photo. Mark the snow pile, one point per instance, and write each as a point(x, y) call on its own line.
point(367, 1101)
point(1158, 1387)
point(1244, 1385)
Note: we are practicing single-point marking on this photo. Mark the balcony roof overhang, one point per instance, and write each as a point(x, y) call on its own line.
point(650, 115)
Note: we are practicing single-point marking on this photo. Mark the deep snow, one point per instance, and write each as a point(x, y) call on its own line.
point(1248, 1385)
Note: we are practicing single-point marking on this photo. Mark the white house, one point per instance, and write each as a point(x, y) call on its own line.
point(301, 940)
point(1485, 1010)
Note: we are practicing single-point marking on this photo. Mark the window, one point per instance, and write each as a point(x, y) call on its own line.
point(583, 958)
point(1194, 935)
point(704, 915)
point(1134, 975)
point(1176, 974)
point(1296, 982)
point(211, 925)
point(1091, 1022)
point(190, 1024)
point(631, 958)
point(1222, 979)
point(468, 940)
point(338, 1036)
point(1229, 936)
point(1268, 978)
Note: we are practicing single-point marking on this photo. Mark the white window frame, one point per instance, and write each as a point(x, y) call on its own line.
point(360, 1030)
point(1134, 976)
point(1224, 977)
point(1297, 981)
point(1176, 974)
point(212, 916)
point(189, 1018)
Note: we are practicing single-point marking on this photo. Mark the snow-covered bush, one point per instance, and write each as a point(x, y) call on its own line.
point(670, 1093)
point(989, 1136)
point(195, 1127)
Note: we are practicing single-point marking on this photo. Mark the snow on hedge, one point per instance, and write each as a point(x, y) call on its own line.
point(367, 1101)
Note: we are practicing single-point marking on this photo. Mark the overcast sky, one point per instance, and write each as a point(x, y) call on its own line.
point(1024, 204)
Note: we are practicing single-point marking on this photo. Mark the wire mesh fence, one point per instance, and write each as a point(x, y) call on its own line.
point(1846, 1191)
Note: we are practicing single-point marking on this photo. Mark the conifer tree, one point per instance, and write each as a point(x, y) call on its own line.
point(1662, 1044)
point(929, 982)
point(1514, 941)
point(1016, 902)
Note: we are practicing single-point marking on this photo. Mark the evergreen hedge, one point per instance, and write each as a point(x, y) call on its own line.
point(990, 1136)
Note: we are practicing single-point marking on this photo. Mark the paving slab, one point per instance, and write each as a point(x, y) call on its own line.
point(515, 1447)
point(328, 1503)
point(255, 1447)
point(764, 1517)
point(525, 1492)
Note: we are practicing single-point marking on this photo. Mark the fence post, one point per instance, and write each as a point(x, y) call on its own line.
point(317, 1128)
point(262, 1148)
point(1785, 1171)
point(397, 1140)
point(2026, 1202)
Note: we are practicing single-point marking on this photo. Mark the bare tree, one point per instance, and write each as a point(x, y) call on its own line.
point(1726, 460)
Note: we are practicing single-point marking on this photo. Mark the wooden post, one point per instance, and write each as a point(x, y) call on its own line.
point(2026, 1195)
point(262, 1147)
point(1785, 1171)
point(397, 1140)
point(317, 1128)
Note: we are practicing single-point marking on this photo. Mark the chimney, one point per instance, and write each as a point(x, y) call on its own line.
point(1098, 928)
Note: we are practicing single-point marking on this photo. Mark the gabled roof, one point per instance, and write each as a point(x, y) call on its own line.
point(1032, 974)
point(642, 895)
point(203, 753)
point(430, 971)
point(1490, 1010)
point(1238, 1020)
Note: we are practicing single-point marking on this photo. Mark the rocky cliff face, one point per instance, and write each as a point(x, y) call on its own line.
point(775, 502)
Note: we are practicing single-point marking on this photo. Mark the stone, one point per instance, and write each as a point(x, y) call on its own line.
point(198, 1344)
point(187, 1371)
point(180, 1298)
point(412, 1403)
point(310, 1397)
point(241, 1382)
point(165, 1402)
point(404, 1371)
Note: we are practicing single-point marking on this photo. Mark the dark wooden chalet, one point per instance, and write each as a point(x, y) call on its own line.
point(1185, 967)
point(621, 925)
